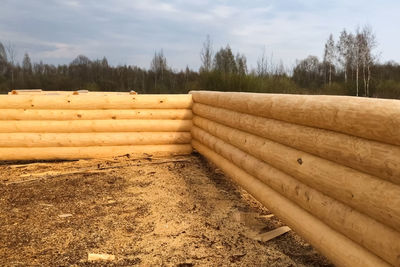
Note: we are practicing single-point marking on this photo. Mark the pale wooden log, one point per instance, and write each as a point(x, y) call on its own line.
point(373, 196)
point(88, 101)
point(380, 239)
point(376, 119)
point(70, 153)
point(339, 249)
point(79, 92)
point(84, 126)
point(110, 114)
point(376, 158)
point(92, 139)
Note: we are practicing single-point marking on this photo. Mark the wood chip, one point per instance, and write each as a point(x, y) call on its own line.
point(100, 257)
point(267, 216)
point(65, 215)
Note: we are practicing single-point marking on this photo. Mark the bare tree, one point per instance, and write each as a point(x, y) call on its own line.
point(329, 56)
point(367, 42)
point(262, 65)
point(158, 66)
point(3, 59)
point(12, 54)
point(344, 50)
point(206, 55)
point(356, 53)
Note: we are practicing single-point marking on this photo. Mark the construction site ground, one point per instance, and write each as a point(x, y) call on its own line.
point(175, 211)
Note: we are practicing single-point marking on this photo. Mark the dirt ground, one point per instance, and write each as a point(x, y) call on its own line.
point(176, 211)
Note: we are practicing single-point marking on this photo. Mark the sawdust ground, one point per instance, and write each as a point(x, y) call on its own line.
point(174, 211)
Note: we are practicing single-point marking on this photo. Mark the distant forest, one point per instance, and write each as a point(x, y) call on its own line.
point(349, 66)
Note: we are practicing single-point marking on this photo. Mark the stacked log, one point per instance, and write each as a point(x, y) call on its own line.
point(37, 126)
point(334, 161)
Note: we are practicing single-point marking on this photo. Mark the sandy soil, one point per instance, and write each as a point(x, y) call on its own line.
point(149, 212)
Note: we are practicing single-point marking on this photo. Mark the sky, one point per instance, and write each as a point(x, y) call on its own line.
point(129, 31)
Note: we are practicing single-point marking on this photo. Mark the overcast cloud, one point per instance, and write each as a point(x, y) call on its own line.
point(129, 32)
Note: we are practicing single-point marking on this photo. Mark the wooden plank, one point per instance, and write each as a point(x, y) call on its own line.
point(265, 237)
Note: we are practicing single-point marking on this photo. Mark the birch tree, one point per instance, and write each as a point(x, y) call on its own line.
point(206, 55)
point(329, 56)
point(344, 51)
point(367, 42)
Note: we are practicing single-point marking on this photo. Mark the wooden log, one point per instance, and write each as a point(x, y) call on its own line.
point(375, 119)
point(376, 237)
point(339, 249)
point(108, 114)
point(88, 101)
point(372, 196)
point(92, 139)
point(70, 153)
point(376, 158)
point(85, 126)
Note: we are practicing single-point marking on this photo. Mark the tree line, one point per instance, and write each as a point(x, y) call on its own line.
point(349, 66)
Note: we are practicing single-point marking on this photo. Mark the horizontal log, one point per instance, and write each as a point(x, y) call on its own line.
point(92, 139)
point(339, 249)
point(372, 196)
point(78, 92)
point(377, 237)
point(376, 158)
point(88, 101)
point(85, 126)
point(70, 153)
point(375, 119)
point(107, 114)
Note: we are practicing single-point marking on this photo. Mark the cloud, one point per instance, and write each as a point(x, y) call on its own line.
point(130, 31)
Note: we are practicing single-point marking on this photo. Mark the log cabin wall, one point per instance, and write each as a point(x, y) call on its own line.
point(328, 166)
point(70, 125)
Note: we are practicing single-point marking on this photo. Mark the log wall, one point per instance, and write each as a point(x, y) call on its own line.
point(328, 166)
point(41, 126)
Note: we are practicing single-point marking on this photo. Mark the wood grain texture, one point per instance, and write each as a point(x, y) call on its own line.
point(70, 153)
point(375, 119)
point(376, 158)
point(107, 114)
point(370, 195)
point(85, 126)
point(88, 101)
point(376, 237)
point(339, 249)
point(92, 139)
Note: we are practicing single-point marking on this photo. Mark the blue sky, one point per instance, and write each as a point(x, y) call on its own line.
point(129, 32)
